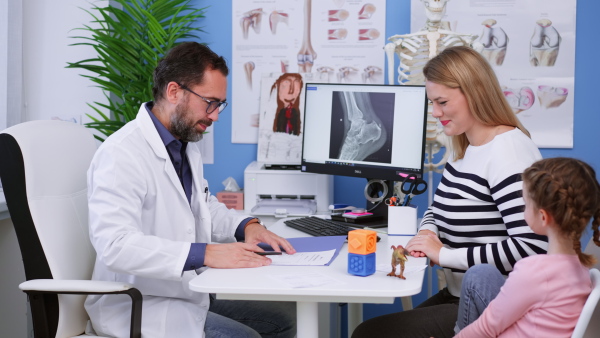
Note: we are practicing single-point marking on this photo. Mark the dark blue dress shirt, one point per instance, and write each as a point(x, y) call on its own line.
point(176, 150)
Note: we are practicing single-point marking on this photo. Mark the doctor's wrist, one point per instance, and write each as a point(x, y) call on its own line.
point(254, 221)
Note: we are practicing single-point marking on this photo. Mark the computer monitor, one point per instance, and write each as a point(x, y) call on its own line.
point(364, 130)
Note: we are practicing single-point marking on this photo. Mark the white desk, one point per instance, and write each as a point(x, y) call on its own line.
point(255, 284)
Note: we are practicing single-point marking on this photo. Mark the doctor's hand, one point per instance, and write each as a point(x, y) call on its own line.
point(256, 233)
point(426, 243)
point(234, 255)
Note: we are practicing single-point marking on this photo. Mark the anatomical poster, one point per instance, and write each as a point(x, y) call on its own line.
point(531, 46)
point(334, 40)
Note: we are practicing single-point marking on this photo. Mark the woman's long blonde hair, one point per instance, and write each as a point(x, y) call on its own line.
point(568, 190)
point(464, 68)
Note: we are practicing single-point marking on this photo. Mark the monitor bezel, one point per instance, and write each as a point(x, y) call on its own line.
point(364, 171)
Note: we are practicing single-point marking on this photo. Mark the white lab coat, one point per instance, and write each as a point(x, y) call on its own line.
point(141, 226)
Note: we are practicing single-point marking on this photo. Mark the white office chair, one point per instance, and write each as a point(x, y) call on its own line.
point(588, 325)
point(43, 168)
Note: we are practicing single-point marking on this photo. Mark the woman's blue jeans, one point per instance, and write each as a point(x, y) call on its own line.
point(480, 285)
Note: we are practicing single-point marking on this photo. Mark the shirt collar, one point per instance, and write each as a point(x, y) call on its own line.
point(164, 134)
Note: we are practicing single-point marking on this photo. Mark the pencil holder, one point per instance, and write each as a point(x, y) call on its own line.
point(402, 220)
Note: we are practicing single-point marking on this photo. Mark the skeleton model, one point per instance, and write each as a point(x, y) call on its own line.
point(414, 50)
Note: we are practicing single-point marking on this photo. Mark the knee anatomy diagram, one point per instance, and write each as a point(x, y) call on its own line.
point(519, 100)
point(545, 43)
point(524, 98)
point(552, 97)
point(494, 41)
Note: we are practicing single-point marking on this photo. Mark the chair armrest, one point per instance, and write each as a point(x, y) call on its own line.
point(87, 287)
point(74, 286)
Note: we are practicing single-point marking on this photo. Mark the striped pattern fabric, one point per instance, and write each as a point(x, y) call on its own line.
point(478, 207)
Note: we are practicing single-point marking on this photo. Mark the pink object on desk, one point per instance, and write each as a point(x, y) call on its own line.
point(356, 214)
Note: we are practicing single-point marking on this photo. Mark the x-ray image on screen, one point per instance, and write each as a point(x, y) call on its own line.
point(361, 126)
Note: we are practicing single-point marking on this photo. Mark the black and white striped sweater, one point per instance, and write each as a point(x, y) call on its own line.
point(477, 211)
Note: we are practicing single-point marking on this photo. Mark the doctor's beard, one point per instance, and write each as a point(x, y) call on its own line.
point(184, 127)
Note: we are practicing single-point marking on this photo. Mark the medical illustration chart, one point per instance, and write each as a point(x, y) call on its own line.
point(334, 40)
point(531, 46)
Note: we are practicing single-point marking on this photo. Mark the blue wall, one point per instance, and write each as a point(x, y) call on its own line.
point(231, 159)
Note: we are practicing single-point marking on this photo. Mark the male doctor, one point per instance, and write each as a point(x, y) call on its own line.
point(153, 222)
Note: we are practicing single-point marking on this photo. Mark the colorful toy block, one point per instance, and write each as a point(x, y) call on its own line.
point(362, 242)
point(361, 265)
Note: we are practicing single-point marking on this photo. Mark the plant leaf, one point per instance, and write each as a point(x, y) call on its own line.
point(129, 38)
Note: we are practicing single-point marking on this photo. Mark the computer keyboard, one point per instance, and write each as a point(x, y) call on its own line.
point(318, 226)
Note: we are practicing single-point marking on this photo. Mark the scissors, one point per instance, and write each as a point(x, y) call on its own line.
point(393, 201)
point(411, 186)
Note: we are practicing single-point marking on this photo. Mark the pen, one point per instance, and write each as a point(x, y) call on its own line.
point(206, 192)
point(268, 253)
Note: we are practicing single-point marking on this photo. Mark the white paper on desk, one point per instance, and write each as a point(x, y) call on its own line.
point(303, 258)
point(305, 280)
point(408, 269)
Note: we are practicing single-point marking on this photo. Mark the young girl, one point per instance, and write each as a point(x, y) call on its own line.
point(544, 294)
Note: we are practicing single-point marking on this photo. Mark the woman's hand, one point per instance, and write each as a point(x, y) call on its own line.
point(425, 243)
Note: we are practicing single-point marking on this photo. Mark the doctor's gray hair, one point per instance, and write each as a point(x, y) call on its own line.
point(185, 64)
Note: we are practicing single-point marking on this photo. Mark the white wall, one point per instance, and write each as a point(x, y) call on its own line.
point(3, 61)
point(51, 90)
point(48, 89)
point(11, 25)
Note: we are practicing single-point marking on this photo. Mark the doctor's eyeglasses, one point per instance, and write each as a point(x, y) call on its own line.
point(212, 105)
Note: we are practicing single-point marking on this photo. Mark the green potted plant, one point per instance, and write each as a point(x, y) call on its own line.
point(130, 37)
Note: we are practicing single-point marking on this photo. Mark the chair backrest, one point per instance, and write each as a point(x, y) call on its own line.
point(588, 324)
point(43, 167)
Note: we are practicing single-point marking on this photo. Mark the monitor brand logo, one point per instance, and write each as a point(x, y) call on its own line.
point(357, 171)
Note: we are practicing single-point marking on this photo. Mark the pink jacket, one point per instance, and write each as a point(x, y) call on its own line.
point(542, 297)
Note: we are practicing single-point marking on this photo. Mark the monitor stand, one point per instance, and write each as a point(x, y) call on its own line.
point(374, 190)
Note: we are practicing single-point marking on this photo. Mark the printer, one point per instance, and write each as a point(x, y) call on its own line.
point(283, 193)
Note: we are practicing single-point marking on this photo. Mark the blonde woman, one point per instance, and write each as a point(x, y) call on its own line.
point(477, 212)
